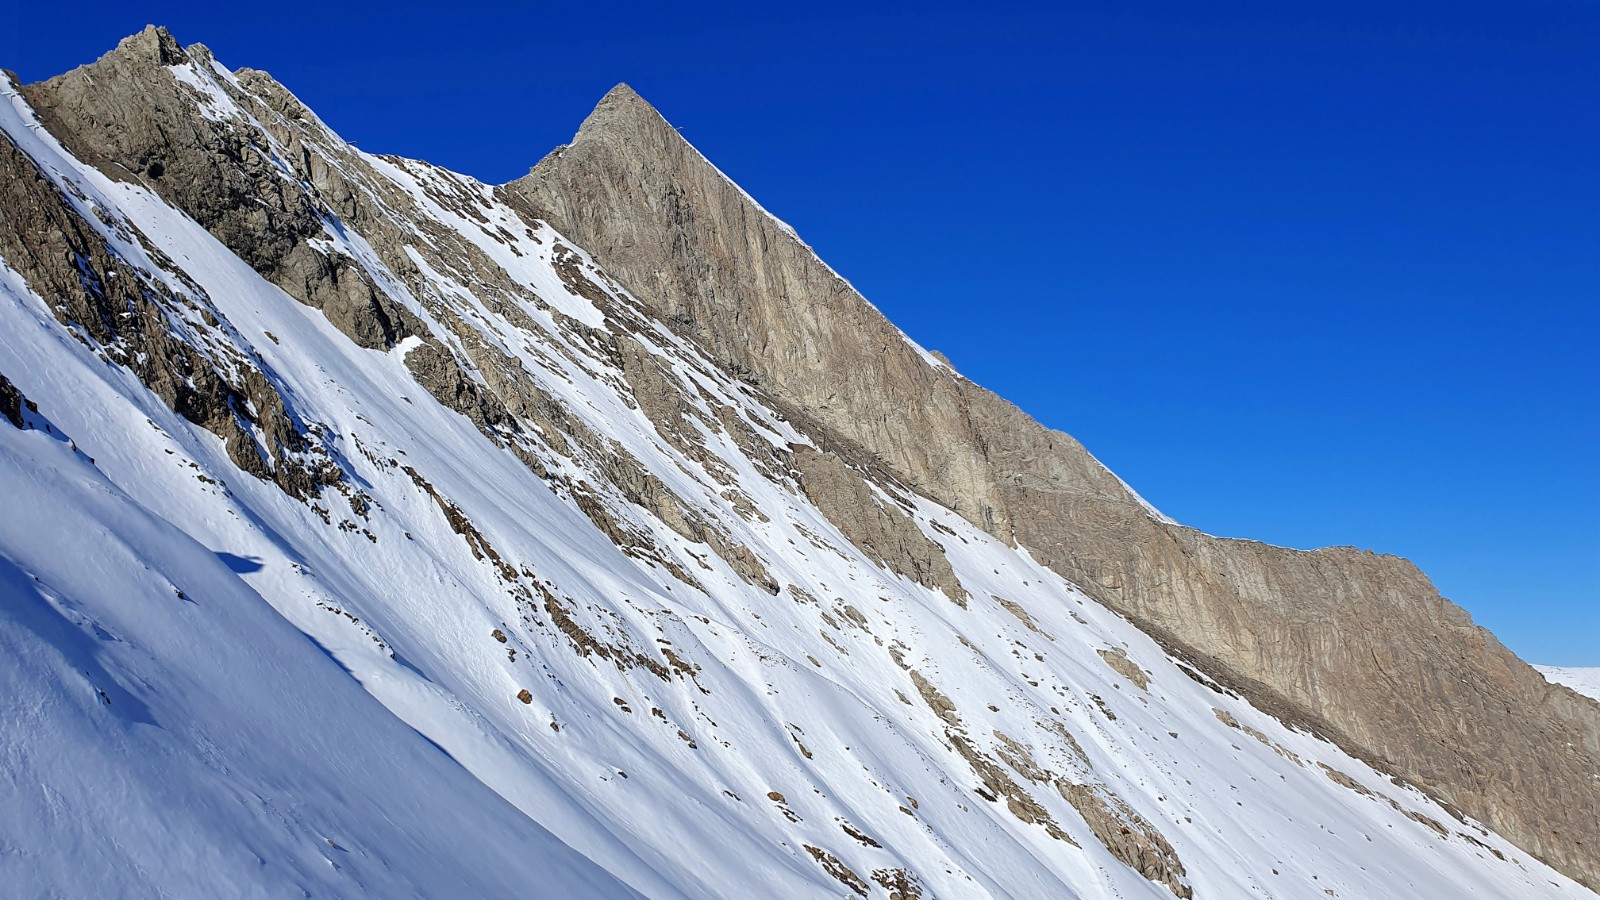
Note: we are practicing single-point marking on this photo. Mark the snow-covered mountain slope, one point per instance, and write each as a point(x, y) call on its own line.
point(1585, 681)
point(166, 727)
point(411, 556)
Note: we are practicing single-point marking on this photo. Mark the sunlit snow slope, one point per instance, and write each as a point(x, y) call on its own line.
point(608, 633)
point(1585, 681)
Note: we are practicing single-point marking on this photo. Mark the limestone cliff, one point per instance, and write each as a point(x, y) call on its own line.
point(1356, 645)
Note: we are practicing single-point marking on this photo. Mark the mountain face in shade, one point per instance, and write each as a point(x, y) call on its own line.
point(377, 531)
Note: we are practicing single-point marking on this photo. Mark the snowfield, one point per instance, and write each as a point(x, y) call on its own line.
point(1585, 681)
point(215, 689)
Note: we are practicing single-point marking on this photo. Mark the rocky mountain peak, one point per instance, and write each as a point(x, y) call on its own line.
point(622, 115)
point(606, 486)
point(1301, 633)
point(621, 118)
point(154, 44)
point(620, 104)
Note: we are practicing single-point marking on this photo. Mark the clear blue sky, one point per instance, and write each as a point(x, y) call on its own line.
point(1309, 273)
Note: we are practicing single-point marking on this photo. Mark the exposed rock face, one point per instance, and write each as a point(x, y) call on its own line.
point(132, 120)
point(133, 317)
point(1357, 645)
point(1128, 835)
point(11, 403)
point(245, 159)
point(1126, 667)
point(873, 523)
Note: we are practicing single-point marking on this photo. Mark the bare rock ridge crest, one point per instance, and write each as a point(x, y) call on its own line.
point(720, 328)
point(1357, 645)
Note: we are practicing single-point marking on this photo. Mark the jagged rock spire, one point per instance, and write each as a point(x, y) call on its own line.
point(621, 102)
point(152, 45)
point(155, 43)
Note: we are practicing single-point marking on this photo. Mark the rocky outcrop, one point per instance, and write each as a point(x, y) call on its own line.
point(1356, 645)
point(994, 782)
point(1129, 836)
point(128, 316)
point(12, 403)
point(239, 154)
point(1117, 659)
point(135, 121)
point(874, 523)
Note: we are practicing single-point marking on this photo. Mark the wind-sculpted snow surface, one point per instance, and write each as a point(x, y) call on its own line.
point(568, 609)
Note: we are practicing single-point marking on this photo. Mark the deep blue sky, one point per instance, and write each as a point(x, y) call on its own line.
point(1313, 274)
